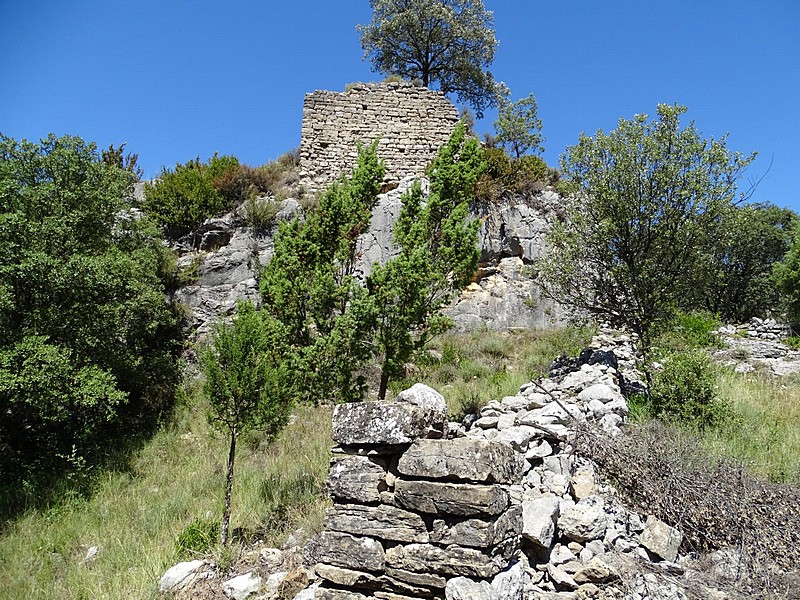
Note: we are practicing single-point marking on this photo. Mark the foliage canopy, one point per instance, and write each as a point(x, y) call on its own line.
point(646, 202)
point(309, 285)
point(87, 337)
point(518, 126)
point(438, 255)
point(738, 271)
point(446, 42)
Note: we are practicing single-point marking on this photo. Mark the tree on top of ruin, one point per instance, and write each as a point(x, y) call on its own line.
point(449, 43)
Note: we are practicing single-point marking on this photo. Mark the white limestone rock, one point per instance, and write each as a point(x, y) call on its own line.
point(539, 517)
point(585, 521)
point(661, 539)
point(179, 576)
point(242, 587)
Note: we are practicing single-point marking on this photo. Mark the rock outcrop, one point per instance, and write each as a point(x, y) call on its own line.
point(757, 346)
point(222, 259)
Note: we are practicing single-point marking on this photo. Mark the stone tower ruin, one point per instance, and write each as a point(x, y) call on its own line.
point(411, 122)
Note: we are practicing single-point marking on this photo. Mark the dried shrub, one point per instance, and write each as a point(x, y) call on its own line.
point(716, 503)
point(237, 185)
point(281, 177)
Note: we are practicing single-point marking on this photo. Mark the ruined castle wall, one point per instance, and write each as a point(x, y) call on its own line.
point(412, 124)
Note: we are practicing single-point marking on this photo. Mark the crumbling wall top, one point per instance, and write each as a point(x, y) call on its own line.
point(411, 122)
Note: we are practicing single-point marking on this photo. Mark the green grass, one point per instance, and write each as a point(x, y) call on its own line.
point(759, 414)
point(471, 369)
point(135, 517)
point(764, 428)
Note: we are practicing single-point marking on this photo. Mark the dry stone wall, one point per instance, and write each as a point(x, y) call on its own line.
point(415, 513)
point(499, 507)
point(411, 122)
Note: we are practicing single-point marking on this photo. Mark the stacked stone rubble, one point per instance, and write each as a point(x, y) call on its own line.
point(417, 514)
point(762, 329)
point(411, 122)
point(578, 539)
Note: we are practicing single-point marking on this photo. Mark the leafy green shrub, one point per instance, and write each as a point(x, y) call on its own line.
point(697, 328)
point(198, 537)
point(685, 389)
point(793, 342)
point(182, 199)
point(526, 174)
point(259, 212)
point(531, 169)
point(689, 331)
point(88, 343)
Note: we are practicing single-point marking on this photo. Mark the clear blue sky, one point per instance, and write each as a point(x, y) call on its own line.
point(183, 78)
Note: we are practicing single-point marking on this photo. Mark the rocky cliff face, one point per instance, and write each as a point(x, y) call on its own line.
point(221, 261)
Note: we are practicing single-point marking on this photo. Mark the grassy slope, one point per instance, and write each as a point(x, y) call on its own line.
point(135, 517)
point(765, 429)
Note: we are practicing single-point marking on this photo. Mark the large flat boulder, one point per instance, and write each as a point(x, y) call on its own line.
point(464, 459)
point(450, 498)
point(382, 423)
point(346, 551)
point(383, 521)
point(452, 560)
point(355, 478)
point(478, 533)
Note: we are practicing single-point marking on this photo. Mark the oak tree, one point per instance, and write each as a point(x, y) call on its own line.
point(448, 43)
point(646, 203)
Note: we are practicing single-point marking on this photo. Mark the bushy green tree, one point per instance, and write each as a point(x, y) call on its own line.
point(310, 285)
point(450, 43)
point(787, 278)
point(248, 382)
point(181, 199)
point(88, 340)
point(646, 202)
point(739, 268)
point(438, 255)
point(518, 127)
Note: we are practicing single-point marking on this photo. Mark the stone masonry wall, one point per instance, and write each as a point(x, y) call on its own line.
point(500, 507)
point(414, 512)
point(412, 123)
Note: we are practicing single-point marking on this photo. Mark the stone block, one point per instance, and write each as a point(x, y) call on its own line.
point(661, 539)
point(382, 521)
point(478, 533)
point(346, 551)
point(355, 479)
point(585, 521)
point(382, 423)
point(465, 459)
point(450, 498)
point(539, 517)
point(449, 561)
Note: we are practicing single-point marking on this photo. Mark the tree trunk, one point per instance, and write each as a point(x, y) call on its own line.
point(384, 382)
point(226, 516)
